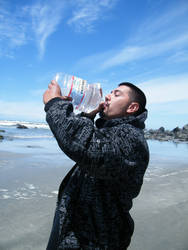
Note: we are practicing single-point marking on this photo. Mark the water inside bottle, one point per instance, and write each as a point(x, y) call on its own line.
point(86, 97)
point(93, 97)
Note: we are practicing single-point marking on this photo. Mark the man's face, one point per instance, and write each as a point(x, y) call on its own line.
point(117, 103)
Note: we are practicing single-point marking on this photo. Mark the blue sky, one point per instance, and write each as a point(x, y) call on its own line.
point(107, 41)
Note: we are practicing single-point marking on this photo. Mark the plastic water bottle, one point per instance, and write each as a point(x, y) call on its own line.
point(85, 97)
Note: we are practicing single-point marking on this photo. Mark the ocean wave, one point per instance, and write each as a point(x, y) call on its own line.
point(25, 123)
point(31, 136)
point(174, 173)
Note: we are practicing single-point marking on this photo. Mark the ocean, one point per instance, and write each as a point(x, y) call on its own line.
point(39, 141)
point(38, 135)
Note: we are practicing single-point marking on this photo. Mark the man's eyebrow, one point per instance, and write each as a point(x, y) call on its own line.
point(116, 90)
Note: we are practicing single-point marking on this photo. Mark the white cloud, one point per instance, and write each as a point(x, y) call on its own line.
point(167, 101)
point(37, 21)
point(174, 108)
point(178, 57)
point(162, 34)
point(46, 16)
point(19, 23)
point(12, 28)
point(86, 12)
point(166, 89)
point(133, 53)
point(159, 26)
point(24, 110)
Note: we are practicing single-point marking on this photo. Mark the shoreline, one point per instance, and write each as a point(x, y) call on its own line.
point(176, 135)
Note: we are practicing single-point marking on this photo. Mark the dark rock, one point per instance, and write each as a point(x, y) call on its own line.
point(175, 130)
point(33, 146)
point(2, 130)
point(169, 133)
point(161, 130)
point(177, 134)
point(151, 131)
point(185, 127)
point(181, 135)
point(21, 126)
point(1, 137)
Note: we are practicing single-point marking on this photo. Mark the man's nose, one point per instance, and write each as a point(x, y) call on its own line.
point(107, 97)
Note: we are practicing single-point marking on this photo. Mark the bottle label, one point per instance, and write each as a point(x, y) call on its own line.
point(77, 90)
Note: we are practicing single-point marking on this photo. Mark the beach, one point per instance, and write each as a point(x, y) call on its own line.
point(32, 167)
point(28, 191)
point(160, 212)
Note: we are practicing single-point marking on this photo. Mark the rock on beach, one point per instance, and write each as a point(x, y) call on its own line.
point(1, 136)
point(21, 126)
point(177, 134)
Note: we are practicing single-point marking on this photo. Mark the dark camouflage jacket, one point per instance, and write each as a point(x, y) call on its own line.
point(96, 195)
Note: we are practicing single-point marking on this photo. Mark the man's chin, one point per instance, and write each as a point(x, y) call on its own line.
point(103, 115)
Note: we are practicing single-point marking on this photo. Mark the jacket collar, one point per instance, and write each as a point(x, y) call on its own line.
point(136, 121)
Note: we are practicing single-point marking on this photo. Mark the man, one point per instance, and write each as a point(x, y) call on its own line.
point(111, 158)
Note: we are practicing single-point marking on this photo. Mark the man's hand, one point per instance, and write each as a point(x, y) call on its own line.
point(93, 113)
point(54, 91)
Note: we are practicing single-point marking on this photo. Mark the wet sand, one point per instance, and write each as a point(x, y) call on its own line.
point(28, 191)
point(160, 212)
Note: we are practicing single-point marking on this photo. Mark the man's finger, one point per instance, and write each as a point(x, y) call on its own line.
point(101, 106)
point(44, 96)
point(66, 98)
point(53, 82)
point(49, 85)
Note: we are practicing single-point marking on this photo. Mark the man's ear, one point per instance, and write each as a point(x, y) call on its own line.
point(133, 107)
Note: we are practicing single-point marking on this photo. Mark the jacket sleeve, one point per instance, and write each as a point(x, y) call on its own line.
point(93, 149)
point(72, 132)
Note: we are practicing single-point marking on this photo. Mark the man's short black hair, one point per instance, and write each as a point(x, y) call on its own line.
point(136, 95)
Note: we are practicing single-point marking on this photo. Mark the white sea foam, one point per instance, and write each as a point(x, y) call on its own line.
point(46, 195)
point(169, 174)
point(54, 192)
point(23, 198)
point(28, 191)
point(25, 123)
point(31, 136)
point(6, 196)
point(3, 190)
point(147, 179)
point(30, 186)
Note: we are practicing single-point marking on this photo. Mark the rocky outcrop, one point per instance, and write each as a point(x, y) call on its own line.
point(21, 126)
point(177, 134)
